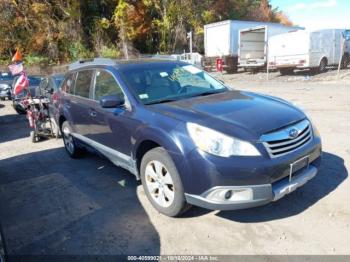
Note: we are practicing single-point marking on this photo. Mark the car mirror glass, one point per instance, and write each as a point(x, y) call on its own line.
point(111, 101)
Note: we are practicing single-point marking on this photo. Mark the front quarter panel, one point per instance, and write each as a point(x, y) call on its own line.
point(169, 134)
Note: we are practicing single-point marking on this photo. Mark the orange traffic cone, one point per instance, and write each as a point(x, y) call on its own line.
point(17, 57)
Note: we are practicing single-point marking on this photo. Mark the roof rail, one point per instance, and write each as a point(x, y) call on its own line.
point(92, 61)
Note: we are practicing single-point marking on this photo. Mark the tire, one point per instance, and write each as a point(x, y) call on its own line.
point(19, 110)
point(344, 61)
point(323, 65)
point(232, 70)
point(69, 142)
point(286, 71)
point(2, 98)
point(33, 137)
point(166, 180)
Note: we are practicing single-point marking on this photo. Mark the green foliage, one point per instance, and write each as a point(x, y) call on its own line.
point(109, 52)
point(33, 59)
point(59, 31)
point(77, 51)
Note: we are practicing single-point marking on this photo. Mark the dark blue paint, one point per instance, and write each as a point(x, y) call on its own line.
point(244, 115)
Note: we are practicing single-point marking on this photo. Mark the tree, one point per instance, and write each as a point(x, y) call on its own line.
point(55, 31)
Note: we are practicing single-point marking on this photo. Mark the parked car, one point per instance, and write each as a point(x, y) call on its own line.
point(5, 85)
point(313, 50)
point(34, 82)
point(188, 137)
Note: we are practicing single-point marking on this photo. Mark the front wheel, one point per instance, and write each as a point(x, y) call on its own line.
point(69, 142)
point(162, 184)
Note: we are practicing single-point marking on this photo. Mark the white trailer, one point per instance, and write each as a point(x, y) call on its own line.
point(308, 49)
point(253, 44)
point(221, 41)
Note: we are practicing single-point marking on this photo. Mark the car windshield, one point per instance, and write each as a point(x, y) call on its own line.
point(164, 82)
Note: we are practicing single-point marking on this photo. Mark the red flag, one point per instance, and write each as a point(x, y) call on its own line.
point(21, 84)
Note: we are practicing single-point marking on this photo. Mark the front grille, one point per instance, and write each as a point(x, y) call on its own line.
point(288, 139)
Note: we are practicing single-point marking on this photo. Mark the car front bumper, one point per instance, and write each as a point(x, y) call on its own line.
point(258, 194)
point(253, 181)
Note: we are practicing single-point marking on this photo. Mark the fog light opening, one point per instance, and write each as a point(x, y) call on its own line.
point(228, 194)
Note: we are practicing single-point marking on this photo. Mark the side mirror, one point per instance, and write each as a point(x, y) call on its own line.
point(111, 101)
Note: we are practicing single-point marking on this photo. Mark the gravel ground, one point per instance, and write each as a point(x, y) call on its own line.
point(51, 204)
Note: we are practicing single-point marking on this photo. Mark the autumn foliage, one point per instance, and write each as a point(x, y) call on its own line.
point(56, 31)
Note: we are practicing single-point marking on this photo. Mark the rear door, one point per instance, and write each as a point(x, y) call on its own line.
point(80, 102)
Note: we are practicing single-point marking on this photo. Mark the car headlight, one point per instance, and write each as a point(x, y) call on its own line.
point(216, 143)
point(314, 128)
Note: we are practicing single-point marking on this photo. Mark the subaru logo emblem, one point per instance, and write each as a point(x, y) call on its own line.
point(293, 133)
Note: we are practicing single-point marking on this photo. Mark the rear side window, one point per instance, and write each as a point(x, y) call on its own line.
point(105, 84)
point(83, 83)
point(68, 84)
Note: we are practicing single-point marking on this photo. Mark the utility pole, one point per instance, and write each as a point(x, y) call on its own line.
point(189, 36)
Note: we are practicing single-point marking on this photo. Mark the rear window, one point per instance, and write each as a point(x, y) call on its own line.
point(83, 83)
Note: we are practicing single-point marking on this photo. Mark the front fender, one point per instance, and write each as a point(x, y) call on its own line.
point(174, 142)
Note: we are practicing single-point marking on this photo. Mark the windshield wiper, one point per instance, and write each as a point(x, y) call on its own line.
point(160, 101)
point(211, 92)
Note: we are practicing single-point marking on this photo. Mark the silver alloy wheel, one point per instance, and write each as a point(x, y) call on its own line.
point(68, 140)
point(159, 183)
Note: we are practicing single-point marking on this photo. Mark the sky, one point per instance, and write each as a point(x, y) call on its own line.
point(316, 14)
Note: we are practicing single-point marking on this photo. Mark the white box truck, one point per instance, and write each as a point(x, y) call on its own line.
point(308, 49)
point(221, 41)
point(253, 44)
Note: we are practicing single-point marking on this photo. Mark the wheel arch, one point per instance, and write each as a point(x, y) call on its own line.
point(151, 138)
point(323, 57)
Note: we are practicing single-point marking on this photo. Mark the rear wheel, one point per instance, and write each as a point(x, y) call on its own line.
point(162, 184)
point(345, 61)
point(69, 142)
point(286, 71)
point(323, 65)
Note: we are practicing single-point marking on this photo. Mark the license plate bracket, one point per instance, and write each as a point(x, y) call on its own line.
point(298, 165)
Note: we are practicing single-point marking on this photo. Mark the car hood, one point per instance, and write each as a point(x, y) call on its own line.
point(234, 112)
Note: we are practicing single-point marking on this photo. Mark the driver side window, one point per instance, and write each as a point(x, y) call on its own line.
point(105, 85)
